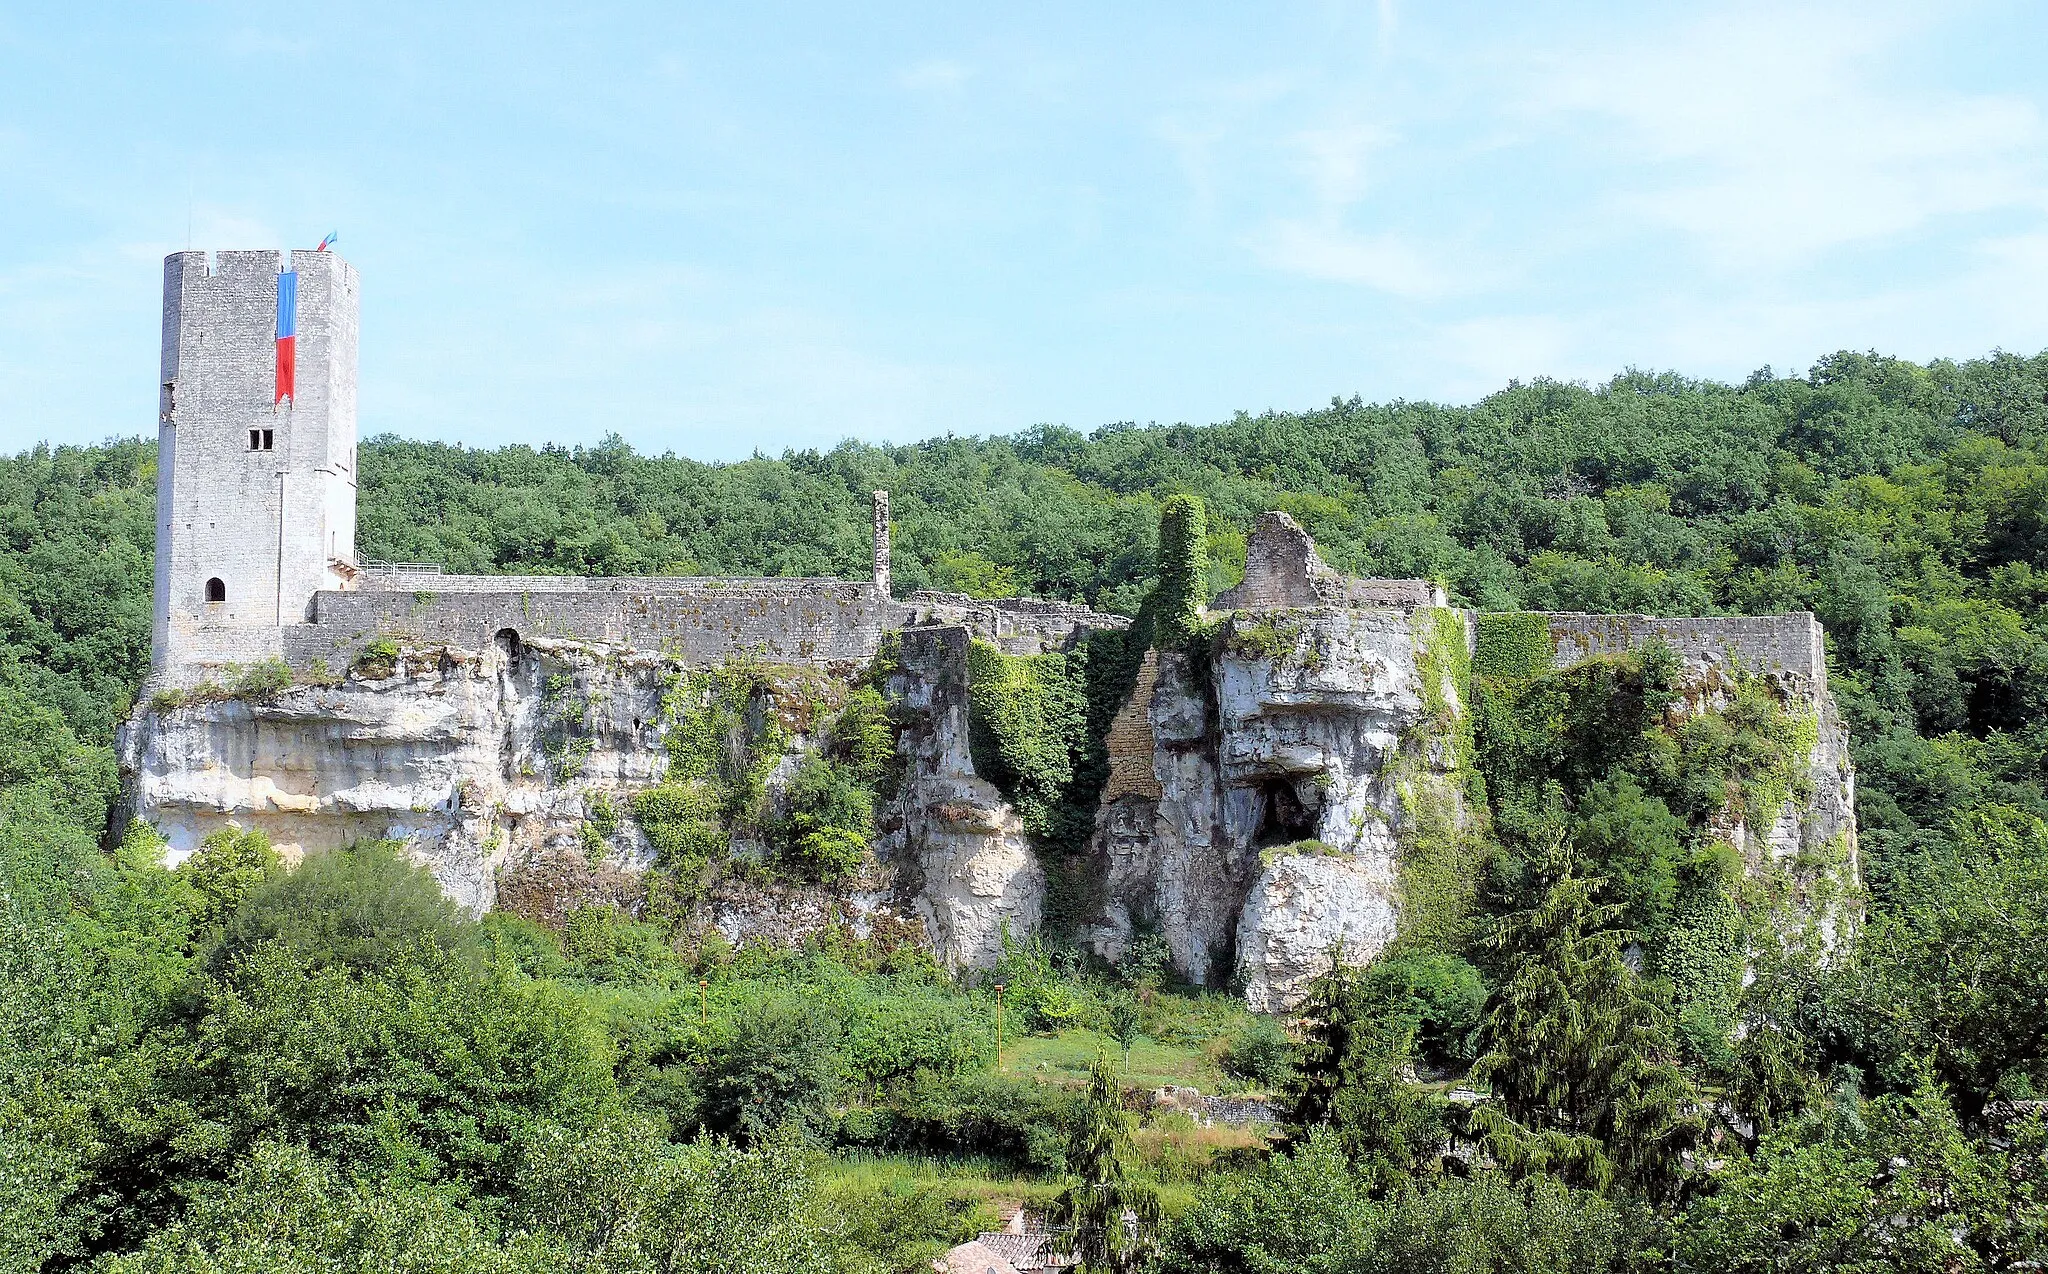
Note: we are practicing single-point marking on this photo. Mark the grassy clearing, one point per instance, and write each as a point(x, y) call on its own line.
point(1064, 1059)
point(975, 1193)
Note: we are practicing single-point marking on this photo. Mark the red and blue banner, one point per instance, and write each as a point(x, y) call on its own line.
point(287, 334)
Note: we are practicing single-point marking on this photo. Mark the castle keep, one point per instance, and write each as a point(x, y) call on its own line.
point(1261, 803)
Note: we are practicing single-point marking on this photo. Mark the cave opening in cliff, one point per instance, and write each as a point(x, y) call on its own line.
point(1283, 817)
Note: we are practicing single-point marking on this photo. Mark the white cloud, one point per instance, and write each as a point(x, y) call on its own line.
point(1322, 250)
point(939, 75)
point(1774, 134)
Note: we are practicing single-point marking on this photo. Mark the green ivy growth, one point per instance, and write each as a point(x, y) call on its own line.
point(1037, 729)
point(1027, 723)
point(1701, 954)
point(1183, 570)
point(1512, 644)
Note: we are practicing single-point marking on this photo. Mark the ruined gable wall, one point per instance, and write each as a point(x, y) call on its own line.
point(1283, 570)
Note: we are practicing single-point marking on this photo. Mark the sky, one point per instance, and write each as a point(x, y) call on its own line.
point(721, 229)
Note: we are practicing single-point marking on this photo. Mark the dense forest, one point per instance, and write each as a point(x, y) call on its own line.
point(232, 1066)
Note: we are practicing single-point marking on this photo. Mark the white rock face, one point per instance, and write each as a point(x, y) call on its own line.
point(977, 875)
point(1275, 835)
point(447, 755)
point(1303, 909)
point(1325, 742)
point(470, 759)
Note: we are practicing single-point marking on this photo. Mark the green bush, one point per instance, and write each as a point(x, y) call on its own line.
point(864, 738)
point(602, 944)
point(288, 1211)
point(228, 866)
point(1436, 997)
point(681, 820)
point(828, 818)
point(1027, 723)
point(435, 1068)
point(998, 1117)
point(364, 907)
point(1260, 1053)
point(779, 1067)
point(378, 660)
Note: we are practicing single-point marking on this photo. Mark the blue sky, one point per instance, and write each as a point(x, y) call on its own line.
point(717, 228)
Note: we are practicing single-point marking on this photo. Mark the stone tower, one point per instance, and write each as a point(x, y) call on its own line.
point(256, 451)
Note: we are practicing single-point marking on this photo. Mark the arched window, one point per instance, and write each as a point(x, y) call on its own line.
point(215, 590)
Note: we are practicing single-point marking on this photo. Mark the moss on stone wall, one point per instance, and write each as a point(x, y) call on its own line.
point(1271, 638)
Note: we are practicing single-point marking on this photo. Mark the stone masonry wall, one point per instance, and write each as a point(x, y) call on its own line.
point(699, 622)
point(1282, 569)
point(1759, 643)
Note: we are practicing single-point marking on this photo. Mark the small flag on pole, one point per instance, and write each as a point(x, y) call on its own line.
point(328, 242)
point(287, 334)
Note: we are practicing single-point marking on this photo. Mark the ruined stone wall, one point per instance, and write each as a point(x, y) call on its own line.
point(1755, 643)
point(1015, 625)
point(695, 621)
point(1815, 834)
point(1282, 569)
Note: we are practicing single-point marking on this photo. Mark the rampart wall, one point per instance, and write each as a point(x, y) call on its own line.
point(699, 621)
point(1756, 643)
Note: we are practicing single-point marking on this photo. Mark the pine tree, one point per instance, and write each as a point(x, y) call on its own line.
point(1580, 1059)
point(1112, 1220)
point(1355, 1078)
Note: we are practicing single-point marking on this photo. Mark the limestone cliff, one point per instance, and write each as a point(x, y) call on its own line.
point(1293, 784)
point(510, 773)
point(1287, 768)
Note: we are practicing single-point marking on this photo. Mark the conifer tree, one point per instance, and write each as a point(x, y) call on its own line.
point(1580, 1059)
point(1355, 1078)
point(1111, 1219)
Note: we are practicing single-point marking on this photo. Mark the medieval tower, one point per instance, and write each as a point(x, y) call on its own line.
point(256, 450)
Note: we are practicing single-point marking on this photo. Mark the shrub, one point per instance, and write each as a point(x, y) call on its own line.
point(434, 1064)
point(365, 907)
point(1439, 997)
point(681, 821)
point(829, 817)
point(227, 867)
point(378, 660)
point(863, 737)
point(779, 1068)
point(998, 1116)
point(261, 680)
point(608, 946)
point(1260, 1053)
